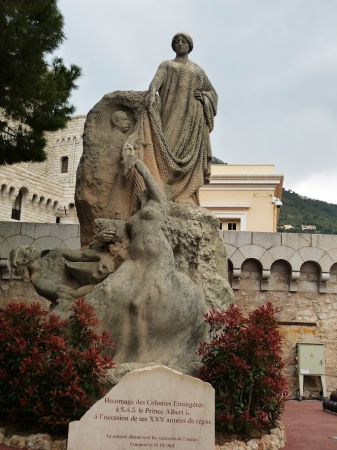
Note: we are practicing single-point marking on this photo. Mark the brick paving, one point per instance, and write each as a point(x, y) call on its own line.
point(308, 426)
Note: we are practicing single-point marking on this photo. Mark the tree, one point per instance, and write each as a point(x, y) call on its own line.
point(33, 94)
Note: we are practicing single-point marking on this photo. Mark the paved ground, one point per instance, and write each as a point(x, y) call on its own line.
point(308, 427)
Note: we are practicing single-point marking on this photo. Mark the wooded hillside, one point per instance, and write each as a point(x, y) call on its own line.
point(300, 212)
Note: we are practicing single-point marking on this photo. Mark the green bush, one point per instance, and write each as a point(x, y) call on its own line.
point(243, 363)
point(51, 370)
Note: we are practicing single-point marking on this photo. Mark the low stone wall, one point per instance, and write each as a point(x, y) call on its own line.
point(298, 274)
point(296, 250)
point(40, 441)
point(275, 440)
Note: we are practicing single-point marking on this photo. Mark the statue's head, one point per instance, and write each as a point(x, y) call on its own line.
point(185, 36)
point(120, 120)
point(21, 257)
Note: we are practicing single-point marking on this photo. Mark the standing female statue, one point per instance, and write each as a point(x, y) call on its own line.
point(188, 107)
point(171, 131)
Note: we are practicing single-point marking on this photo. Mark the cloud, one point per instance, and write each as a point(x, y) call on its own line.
point(272, 63)
point(320, 186)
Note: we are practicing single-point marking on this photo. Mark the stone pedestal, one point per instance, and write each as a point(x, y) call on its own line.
point(151, 408)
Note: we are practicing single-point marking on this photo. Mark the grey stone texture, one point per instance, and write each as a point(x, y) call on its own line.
point(152, 407)
point(199, 251)
point(281, 252)
point(33, 230)
point(238, 239)
point(10, 229)
point(13, 234)
point(266, 240)
point(155, 310)
point(252, 251)
point(326, 262)
point(15, 241)
point(47, 243)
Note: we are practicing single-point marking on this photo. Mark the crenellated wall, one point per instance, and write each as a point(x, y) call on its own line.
point(296, 272)
point(47, 192)
point(295, 249)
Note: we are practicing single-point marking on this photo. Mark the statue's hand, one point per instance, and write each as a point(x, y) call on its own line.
point(198, 96)
point(129, 161)
point(106, 235)
point(150, 99)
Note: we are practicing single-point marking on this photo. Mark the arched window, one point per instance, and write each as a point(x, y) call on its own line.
point(16, 207)
point(64, 164)
point(3, 190)
point(34, 200)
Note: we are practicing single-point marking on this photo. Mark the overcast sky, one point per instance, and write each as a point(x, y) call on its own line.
point(273, 64)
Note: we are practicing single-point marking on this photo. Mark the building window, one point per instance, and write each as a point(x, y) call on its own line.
point(16, 207)
point(232, 226)
point(64, 164)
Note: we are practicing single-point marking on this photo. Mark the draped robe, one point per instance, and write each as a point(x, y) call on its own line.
point(181, 136)
point(176, 130)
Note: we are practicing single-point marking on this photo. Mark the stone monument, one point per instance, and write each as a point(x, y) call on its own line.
point(150, 408)
point(157, 260)
point(170, 131)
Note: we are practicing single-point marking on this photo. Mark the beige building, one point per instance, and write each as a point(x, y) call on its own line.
point(243, 197)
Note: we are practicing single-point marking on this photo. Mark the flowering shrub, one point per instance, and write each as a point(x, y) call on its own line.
point(51, 370)
point(243, 363)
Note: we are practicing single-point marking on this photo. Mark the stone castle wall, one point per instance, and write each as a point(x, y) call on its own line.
point(46, 192)
point(296, 272)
